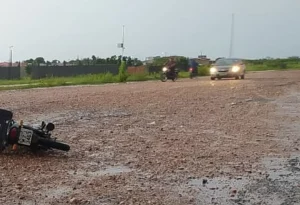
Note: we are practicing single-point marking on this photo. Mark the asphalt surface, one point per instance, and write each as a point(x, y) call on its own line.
point(186, 142)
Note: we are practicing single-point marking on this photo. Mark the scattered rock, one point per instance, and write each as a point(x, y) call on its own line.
point(74, 201)
point(152, 123)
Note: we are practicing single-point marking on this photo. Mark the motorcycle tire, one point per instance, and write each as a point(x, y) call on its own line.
point(163, 77)
point(175, 78)
point(54, 144)
point(191, 76)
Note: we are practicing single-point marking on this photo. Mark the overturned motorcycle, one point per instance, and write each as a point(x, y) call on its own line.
point(17, 134)
point(167, 74)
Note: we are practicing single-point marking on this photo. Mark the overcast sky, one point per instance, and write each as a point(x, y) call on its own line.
point(65, 29)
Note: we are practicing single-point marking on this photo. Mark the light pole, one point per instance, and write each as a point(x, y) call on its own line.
point(121, 45)
point(231, 37)
point(11, 55)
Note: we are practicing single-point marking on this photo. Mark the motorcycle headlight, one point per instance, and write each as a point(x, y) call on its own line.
point(213, 70)
point(235, 69)
point(165, 69)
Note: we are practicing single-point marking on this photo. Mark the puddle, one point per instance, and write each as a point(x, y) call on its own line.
point(55, 193)
point(218, 190)
point(280, 185)
point(263, 100)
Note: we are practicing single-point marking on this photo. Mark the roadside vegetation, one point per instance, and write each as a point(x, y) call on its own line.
point(273, 64)
point(123, 76)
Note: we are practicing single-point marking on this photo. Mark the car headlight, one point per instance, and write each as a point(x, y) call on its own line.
point(235, 69)
point(213, 70)
point(165, 69)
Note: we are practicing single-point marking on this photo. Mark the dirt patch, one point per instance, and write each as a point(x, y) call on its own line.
point(155, 143)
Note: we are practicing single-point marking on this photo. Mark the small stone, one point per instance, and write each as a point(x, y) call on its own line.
point(204, 181)
point(73, 201)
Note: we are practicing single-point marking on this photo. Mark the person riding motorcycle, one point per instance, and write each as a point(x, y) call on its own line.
point(193, 64)
point(171, 64)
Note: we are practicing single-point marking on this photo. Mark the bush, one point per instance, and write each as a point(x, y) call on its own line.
point(123, 75)
point(28, 70)
point(203, 70)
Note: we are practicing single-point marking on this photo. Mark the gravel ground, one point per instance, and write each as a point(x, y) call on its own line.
point(189, 142)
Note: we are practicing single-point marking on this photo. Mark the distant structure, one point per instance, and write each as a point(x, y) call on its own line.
point(8, 64)
point(202, 60)
point(149, 60)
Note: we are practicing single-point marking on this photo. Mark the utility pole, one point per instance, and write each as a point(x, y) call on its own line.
point(121, 45)
point(10, 61)
point(11, 56)
point(231, 37)
point(123, 40)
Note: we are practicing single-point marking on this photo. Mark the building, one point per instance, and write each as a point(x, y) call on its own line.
point(202, 60)
point(7, 64)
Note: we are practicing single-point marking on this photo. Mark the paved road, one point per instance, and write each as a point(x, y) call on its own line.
point(157, 143)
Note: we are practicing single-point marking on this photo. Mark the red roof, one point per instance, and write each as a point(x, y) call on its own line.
point(7, 64)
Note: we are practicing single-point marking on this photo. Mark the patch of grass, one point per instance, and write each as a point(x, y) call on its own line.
point(272, 66)
point(184, 74)
point(78, 80)
point(26, 80)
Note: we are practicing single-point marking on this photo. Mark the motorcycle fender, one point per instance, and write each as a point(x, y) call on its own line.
point(35, 139)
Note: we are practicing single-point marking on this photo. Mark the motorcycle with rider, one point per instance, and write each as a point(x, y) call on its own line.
point(169, 70)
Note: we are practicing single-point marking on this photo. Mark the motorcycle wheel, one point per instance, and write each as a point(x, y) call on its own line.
point(191, 75)
point(175, 77)
point(163, 77)
point(54, 144)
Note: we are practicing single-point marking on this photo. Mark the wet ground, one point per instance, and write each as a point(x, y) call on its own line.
point(189, 142)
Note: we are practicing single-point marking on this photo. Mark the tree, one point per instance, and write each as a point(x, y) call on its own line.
point(40, 60)
point(86, 61)
point(30, 61)
point(94, 59)
point(123, 75)
point(137, 62)
point(129, 61)
point(55, 62)
point(113, 59)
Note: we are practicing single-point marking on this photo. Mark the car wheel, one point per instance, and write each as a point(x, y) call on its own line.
point(243, 76)
point(237, 77)
point(212, 78)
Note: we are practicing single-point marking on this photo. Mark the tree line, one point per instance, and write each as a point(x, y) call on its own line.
point(116, 60)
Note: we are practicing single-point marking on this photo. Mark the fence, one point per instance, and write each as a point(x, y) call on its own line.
point(10, 73)
point(151, 69)
point(136, 69)
point(67, 71)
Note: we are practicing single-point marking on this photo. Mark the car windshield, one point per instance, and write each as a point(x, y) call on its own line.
point(225, 62)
